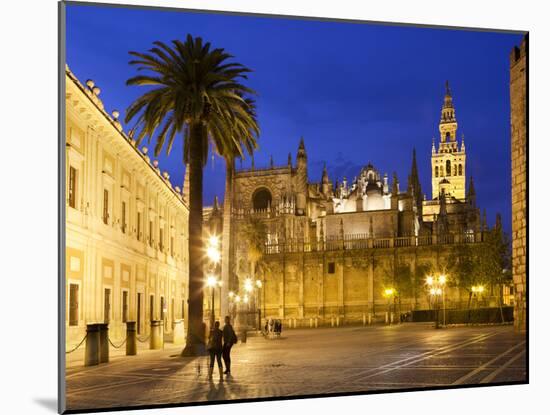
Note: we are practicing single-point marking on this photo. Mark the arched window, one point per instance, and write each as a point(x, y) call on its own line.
point(447, 136)
point(454, 170)
point(436, 171)
point(460, 169)
point(261, 199)
point(448, 167)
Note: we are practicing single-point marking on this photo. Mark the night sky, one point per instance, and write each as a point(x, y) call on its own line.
point(357, 93)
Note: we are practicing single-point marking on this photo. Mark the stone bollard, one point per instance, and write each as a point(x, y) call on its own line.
point(243, 336)
point(364, 319)
point(392, 316)
point(310, 323)
point(370, 319)
point(316, 322)
point(331, 321)
point(338, 321)
point(387, 318)
point(179, 332)
point(157, 335)
point(91, 356)
point(131, 338)
point(103, 343)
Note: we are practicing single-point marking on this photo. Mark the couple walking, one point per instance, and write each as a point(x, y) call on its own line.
point(217, 350)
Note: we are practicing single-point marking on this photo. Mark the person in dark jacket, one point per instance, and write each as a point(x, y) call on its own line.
point(215, 349)
point(229, 339)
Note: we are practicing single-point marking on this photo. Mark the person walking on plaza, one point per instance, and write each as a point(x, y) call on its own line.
point(215, 349)
point(229, 339)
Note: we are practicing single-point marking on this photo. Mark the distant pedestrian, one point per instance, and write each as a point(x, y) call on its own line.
point(229, 339)
point(214, 347)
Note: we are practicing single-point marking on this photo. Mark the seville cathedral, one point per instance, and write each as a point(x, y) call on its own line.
point(330, 245)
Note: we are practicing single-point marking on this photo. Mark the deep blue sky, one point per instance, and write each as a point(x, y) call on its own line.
point(355, 92)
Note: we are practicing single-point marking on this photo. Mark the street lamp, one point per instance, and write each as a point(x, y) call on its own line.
point(389, 293)
point(477, 289)
point(436, 288)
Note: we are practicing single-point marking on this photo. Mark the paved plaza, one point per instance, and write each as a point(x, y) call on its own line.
point(305, 362)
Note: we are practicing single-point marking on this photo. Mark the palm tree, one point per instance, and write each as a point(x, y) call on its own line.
point(196, 93)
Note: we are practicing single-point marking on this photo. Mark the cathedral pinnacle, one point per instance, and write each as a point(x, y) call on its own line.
point(302, 149)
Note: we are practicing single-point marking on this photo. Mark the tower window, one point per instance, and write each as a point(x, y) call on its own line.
point(460, 169)
point(436, 171)
point(454, 170)
point(331, 267)
point(447, 136)
point(448, 167)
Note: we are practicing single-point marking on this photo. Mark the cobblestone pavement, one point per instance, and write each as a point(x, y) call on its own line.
point(305, 362)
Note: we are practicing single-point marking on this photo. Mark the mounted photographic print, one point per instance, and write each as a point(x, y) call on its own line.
point(261, 207)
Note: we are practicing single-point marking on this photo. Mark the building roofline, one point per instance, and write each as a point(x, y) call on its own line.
point(123, 134)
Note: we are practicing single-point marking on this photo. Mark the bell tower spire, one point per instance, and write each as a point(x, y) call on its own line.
point(449, 161)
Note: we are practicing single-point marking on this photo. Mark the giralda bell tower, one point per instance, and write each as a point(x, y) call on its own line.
point(448, 161)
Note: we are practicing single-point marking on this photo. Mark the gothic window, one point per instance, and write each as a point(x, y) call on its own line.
point(454, 170)
point(448, 167)
point(460, 169)
point(447, 136)
point(261, 199)
point(436, 171)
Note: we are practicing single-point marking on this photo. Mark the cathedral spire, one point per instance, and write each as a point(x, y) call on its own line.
point(498, 222)
point(415, 180)
point(471, 188)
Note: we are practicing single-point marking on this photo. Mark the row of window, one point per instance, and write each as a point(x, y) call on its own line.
point(455, 170)
point(72, 201)
point(74, 307)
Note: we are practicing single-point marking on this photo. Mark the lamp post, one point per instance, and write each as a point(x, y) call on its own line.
point(248, 288)
point(442, 281)
point(389, 293)
point(436, 288)
point(257, 302)
point(214, 254)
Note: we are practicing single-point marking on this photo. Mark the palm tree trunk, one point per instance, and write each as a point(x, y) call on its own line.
point(196, 327)
point(226, 234)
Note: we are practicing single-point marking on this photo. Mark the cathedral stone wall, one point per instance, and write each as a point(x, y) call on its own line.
point(345, 285)
point(518, 102)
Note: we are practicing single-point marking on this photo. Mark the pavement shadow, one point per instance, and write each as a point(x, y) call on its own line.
point(216, 392)
point(48, 403)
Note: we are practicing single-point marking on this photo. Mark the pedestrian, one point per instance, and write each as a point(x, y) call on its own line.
point(229, 339)
point(214, 347)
